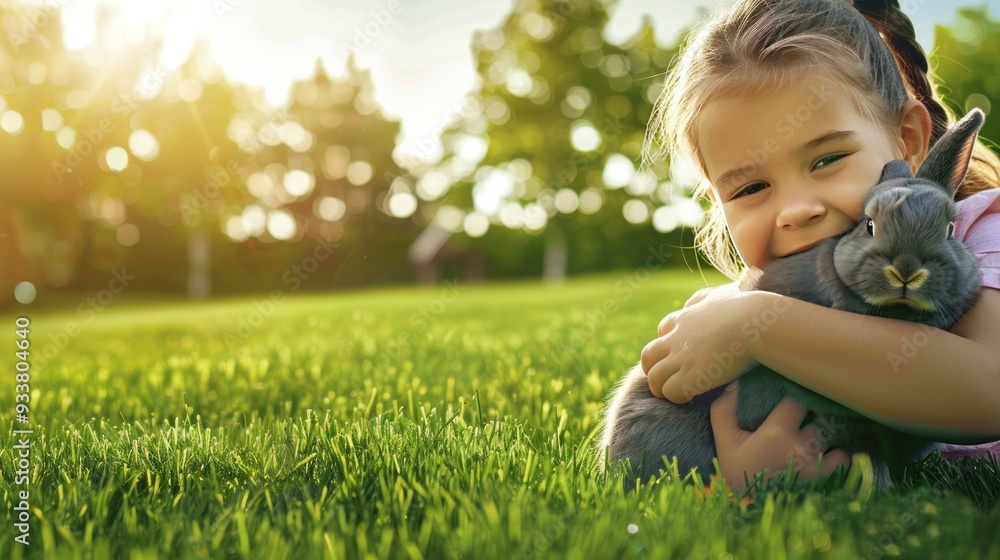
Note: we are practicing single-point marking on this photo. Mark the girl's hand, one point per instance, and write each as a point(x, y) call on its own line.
point(702, 346)
point(777, 441)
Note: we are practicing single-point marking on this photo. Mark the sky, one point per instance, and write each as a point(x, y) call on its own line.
point(418, 51)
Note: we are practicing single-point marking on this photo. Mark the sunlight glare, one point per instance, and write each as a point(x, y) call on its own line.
point(52, 120)
point(12, 122)
point(475, 224)
point(281, 225)
point(117, 158)
point(143, 145)
point(618, 171)
point(402, 205)
point(298, 182)
point(331, 209)
point(147, 11)
point(635, 211)
point(66, 137)
point(176, 24)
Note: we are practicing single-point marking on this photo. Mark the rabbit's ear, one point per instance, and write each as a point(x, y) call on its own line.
point(895, 169)
point(948, 160)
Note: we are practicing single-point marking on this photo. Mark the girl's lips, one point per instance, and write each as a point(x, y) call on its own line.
point(804, 248)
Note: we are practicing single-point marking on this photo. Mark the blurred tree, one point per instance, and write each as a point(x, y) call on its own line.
point(60, 123)
point(186, 159)
point(552, 140)
point(330, 176)
point(965, 62)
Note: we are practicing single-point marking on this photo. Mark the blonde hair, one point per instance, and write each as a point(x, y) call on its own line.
point(868, 46)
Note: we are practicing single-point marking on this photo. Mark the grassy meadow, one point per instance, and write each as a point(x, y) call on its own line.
point(453, 421)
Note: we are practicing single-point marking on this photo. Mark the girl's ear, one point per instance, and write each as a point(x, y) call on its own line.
point(915, 133)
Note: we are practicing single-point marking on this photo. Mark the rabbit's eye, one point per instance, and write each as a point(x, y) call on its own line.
point(871, 227)
point(951, 229)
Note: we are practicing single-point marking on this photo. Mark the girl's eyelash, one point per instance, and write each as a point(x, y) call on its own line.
point(743, 191)
point(834, 157)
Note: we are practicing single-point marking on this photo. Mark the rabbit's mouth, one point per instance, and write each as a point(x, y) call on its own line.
point(909, 301)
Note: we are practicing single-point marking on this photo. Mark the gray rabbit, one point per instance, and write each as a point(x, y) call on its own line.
point(900, 260)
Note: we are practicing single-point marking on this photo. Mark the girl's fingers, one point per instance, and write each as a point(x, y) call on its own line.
point(813, 433)
point(782, 436)
point(698, 296)
point(659, 376)
point(725, 426)
point(788, 412)
point(666, 325)
point(653, 353)
point(834, 459)
point(679, 391)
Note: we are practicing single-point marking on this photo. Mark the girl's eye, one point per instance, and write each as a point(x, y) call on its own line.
point(827, 160)
point(752, 188)
point(951, 229)
point(871, 227)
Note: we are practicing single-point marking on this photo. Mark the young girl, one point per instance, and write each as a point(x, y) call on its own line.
point(790, 108)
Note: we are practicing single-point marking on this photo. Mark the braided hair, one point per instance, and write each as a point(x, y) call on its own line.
point(897, 31)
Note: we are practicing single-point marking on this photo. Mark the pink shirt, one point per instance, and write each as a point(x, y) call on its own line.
point(978, 225)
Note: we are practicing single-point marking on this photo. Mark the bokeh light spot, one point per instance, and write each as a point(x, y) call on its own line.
point(52, 120)
point(584, 137)
point(359, 172)
point(12, 122)
point(331, 209)
point(66, 138)
point(127, 234)
point(117, 158)
point(298, 182)
point(635, 211)
point(25, 292)
point(281, 225)
point(144, 145)
point(476, 224)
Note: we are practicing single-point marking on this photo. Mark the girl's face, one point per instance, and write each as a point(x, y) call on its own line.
point(792, 167)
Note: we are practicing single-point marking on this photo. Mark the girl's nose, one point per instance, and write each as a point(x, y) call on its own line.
point(799, 210)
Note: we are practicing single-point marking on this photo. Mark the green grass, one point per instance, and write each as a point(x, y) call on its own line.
point(406, 423)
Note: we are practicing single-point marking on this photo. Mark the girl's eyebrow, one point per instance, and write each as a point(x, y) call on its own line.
point(722, 183)
point(828, 137)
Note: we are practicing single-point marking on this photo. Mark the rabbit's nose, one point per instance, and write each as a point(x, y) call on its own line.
point(905, 272)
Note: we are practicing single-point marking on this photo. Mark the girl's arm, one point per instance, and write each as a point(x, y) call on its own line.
point(939, 384)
